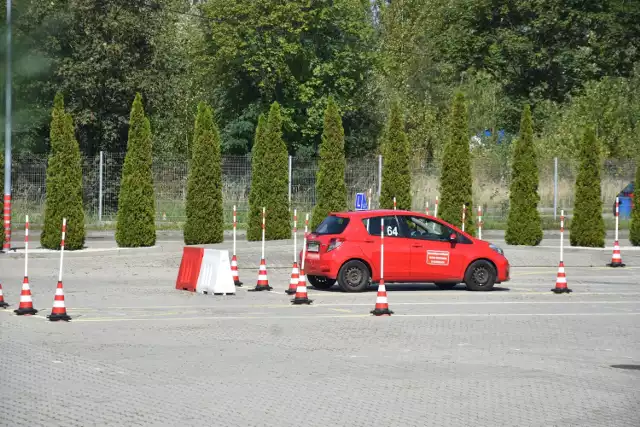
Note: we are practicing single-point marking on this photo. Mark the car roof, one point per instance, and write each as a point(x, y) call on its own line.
point(374, 212)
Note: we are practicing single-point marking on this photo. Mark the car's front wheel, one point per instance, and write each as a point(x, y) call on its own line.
point(321, 282)
point(354, 276)
point(480, 276)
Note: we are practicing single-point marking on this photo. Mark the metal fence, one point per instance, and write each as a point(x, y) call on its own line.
point(491, 177)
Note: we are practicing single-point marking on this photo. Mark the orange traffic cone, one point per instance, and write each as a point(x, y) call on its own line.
point(234, 271)
point(3, 303)
point(295, 278)
point(301, 291)
point(263, 280)
point(26, 304)
point(59, 311)
point(561, 281)
point(616, 259)
point(382, 305)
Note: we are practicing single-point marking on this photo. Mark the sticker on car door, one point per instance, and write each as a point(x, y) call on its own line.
point(438, 258)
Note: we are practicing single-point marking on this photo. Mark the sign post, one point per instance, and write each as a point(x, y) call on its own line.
point(361, 202)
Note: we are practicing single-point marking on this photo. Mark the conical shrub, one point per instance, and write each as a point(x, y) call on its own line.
point(136, 203)
point(331, 189)
point(64, 184)
point(634, 228)
point(455, 177)
point(204, 210)
point(524, 226)
point(587, 225)
point(396, 176)
point(257, 192)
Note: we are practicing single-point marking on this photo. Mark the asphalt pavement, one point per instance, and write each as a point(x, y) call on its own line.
point(139, 352)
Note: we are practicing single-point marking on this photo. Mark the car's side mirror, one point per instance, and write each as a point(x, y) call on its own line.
point(453, 239)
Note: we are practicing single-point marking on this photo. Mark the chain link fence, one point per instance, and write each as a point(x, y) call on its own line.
point(491, 178)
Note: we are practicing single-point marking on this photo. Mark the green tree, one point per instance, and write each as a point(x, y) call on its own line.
point(396, 176)
point(634, 228)
point(331, 189)
point(271, 179)
point(64, 183)
point(524, 225)
point(455, 178)
point(205, 216)
point(587, 225)
point(136, 203)
point(256, 193)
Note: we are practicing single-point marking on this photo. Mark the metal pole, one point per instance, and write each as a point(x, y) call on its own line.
point(7, 139)
point(555, 187)
point(379, 178)
point(101, 169)
point(290, 175)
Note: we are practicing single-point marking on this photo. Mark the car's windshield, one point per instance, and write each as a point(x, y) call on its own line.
point(332, 225)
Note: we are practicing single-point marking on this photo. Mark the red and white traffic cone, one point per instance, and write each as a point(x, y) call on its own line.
point(3, 303)
point(263, 280)
point(26, 303)
point(234, 271)
point(301, 291)
point(616, 259)
point(561, 281)
point(59, 311)
point(295, 279)
point(382, 304)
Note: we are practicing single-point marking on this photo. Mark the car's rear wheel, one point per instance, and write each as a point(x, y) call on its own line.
point(480, 276)
point(446, 286)
point(321, 282)
point(354, 276)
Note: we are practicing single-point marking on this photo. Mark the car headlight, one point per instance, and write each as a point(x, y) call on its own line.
point(496, 248)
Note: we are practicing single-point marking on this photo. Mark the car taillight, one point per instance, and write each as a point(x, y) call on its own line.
point(334, 243)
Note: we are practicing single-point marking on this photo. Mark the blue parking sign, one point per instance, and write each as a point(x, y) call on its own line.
point(361, 202)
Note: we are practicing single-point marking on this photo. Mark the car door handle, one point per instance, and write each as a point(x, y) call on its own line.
point(368, 241)
point(417, 246)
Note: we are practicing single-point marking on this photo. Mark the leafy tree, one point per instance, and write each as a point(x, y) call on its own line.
point(136, 203)
point(296, 53)
point(64, 183)
point(272, 180)
point(587, 225)
point(257, 191)
point(396, 176)
point(524, 225)
point(205, 216)
point(634, 228)
point(331, 189)
point(455, 178)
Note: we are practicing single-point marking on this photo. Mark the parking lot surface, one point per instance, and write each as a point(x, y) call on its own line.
point(139, 352)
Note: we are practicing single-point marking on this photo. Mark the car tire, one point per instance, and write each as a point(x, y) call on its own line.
point(354, 276)
point(480, 276)
point(321, 282)
point(445, 286)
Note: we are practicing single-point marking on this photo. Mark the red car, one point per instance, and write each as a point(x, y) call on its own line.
point(417, 248)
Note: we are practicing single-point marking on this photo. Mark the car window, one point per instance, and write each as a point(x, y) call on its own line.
point(332, 225)
point(391, 226)
point(424, 228)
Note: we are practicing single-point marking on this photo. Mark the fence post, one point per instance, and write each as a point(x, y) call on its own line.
point(100, 169)
point(290, 180)
point(555, 188)
point(379, 178)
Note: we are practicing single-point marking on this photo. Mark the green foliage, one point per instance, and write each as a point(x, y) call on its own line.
point(257, 191)
point(204, 210)
point(297, 53)
point(136, 203)
point(270, 184)
point(64, 184)
point(634, 228)
point(587, 225)
point(524, 226)
point(331, 189)
point(396, 176)
point(455, 177)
